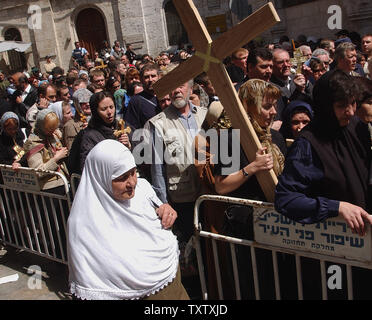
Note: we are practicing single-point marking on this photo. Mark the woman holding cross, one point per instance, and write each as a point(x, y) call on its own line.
point(259, 99)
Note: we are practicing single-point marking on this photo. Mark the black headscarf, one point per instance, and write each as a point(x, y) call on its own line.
point(96, 122)
point(294, 107)
point(345, 152)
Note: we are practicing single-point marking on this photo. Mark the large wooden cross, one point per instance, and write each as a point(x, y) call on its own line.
point(208, 57)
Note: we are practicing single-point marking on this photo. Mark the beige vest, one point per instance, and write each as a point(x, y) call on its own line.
point(183, 182)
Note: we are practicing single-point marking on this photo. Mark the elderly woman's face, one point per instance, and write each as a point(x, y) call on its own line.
point(85, 107)
point(365, 111)
point(123, 187)
point(344, 111)
point(268, 112)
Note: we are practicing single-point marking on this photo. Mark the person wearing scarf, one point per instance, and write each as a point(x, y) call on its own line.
point(120, 245)
point(44, 150)
point(326, 174)
point(101, 125)
point(326, 171)
point(11, 139)
point(80, 121)
point(259, 99)
point(296, 116)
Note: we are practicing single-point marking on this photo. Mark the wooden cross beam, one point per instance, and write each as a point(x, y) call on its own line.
point(208, 58)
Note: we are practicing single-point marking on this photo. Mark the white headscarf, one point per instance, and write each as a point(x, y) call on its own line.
point(117, 249)
point(57, 108)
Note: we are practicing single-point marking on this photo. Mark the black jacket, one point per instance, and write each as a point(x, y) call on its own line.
point(21, 108)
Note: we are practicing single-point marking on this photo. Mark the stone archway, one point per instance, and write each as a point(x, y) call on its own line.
point(17, 60)
point(91, 30)
point(176, 31)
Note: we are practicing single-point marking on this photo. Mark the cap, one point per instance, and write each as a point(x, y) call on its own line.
point(35, 69)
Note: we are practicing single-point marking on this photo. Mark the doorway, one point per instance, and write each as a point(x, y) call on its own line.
point(91, 30)
point(176, 32)
point(17, 60)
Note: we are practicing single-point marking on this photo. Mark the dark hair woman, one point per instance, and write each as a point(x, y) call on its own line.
point(326, 169)
point(330, 159)
point(101, 125)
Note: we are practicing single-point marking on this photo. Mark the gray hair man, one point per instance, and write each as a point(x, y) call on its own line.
point(346, 58)
point(174, 176)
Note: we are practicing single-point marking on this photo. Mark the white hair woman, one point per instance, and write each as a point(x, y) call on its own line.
point(120, 245)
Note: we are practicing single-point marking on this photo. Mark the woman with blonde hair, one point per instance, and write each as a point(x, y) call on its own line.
point(259, 99)
point(238, 178)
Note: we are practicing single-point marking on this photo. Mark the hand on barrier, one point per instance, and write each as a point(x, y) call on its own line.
point(355, 217)
point(16, 165)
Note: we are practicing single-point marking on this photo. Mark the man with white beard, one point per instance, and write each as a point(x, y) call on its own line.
point(174, 177)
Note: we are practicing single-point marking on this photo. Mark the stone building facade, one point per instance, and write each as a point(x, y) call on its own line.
point(52, 26)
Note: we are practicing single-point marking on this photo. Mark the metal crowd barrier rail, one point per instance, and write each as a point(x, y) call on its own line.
point(31, 219)
point(253, 245)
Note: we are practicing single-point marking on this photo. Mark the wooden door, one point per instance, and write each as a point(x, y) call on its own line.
point(91, 30)
point(17, 60)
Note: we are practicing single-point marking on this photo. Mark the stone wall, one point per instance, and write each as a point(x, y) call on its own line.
point(142, 22)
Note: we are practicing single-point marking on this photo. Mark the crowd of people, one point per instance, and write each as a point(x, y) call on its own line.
point(313, 119)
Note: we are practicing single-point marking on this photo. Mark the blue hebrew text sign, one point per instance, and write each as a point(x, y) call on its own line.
point(331, 237)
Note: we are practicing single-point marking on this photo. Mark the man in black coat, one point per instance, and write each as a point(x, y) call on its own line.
point(23, 98)
point(292, 87)
point(144, 105)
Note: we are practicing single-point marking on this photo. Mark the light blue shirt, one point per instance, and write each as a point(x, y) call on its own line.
point(158, 172)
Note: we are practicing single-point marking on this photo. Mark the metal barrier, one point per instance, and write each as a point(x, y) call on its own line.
point(254, 245)
point(30, 219)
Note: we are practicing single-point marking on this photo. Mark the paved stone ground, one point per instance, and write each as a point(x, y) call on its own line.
point(53, 285)
point(54, 282)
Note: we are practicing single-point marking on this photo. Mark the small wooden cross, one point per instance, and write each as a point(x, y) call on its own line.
point(208, 58)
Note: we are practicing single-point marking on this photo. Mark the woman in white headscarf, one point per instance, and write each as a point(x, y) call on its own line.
point(119, 242)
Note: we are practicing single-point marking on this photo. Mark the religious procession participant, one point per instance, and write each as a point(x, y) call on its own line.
point(326, 170)
point(296, 116)
point(47, 95)
point(44, 150)
point(346, 58)
point(237, 179)
point(11, 141)
point(144, 105)
point(364, 107)
point(120, 245)
point(80, 121)
point(292, 87)
point(101, 126)
point(174, 177)
point(213, 212)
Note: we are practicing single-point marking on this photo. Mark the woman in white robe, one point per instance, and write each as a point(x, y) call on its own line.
point(120, 245)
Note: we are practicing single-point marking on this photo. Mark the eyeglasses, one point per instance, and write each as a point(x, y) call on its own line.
point(319, 70)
